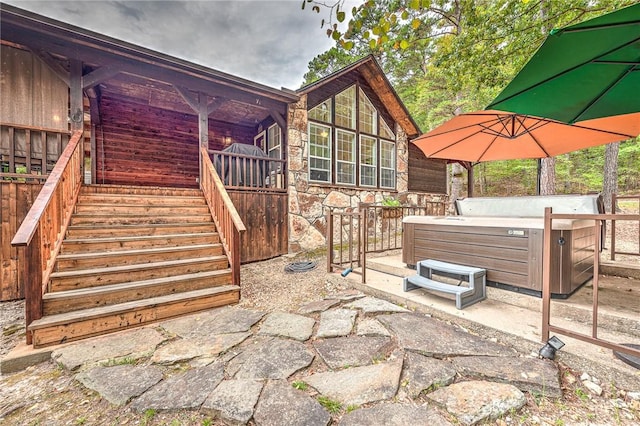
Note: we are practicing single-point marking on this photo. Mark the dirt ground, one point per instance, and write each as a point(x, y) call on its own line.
point(46, 394)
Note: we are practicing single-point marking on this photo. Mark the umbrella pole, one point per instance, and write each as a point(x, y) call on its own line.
point(539, 176)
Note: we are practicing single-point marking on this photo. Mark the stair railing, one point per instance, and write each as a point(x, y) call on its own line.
point(224, 214)
point(42, 231)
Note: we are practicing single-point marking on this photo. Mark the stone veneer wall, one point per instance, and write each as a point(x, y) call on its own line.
point(309, 203)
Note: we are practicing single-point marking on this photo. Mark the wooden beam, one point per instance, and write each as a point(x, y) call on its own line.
point(203, 127)
point(75, 95)
point(188, 97)
point(53, 65)
point(98, 75)
point(279, 119)
point(216, 104)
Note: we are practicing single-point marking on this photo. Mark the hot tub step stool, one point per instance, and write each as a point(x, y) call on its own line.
point(465, 296)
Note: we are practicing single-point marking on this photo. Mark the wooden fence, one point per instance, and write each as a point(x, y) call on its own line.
point(16, 197)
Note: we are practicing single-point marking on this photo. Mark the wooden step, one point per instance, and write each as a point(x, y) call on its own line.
point(133, 219)
point(72, 280)
point(92, 245)
point(67, 262)
point(61, 328)
point(132, 200)
point(73, 300)
point(139, 190)
point(139, 209)
point(92, 231)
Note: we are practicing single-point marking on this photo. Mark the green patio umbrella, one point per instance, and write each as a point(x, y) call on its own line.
point(583, 71)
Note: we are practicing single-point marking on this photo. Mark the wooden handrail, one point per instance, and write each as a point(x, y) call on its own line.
point(42, 231)
point(250, 172)
point(224, 213)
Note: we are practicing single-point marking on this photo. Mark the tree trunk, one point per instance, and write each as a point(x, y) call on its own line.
point(548, 176)
point(610, 181)
point(457, 183)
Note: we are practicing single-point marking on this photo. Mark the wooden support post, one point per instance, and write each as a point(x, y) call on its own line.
point(329, 240)
point(75, 94)
point(203, 125)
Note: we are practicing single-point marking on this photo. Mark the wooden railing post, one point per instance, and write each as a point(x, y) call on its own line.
point(32, 273)
point(613, 227)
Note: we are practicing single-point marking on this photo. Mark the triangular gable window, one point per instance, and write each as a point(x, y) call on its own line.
point(385, 131)
point(321, 112)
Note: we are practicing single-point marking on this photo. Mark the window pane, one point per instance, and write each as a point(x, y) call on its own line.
point(321, 112)
point(273, 142)
point(319, 152)
point(368, 161)
point(346, 108)
point(368, 115)
point(385, 131)
point(345, 157)
point(387, 164)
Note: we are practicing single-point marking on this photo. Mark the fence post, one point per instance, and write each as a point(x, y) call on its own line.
point(613, 227)
point(32, 274)
point(329, 239)
point(363, 245)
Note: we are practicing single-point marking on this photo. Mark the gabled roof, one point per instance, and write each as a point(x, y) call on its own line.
point(372, 72)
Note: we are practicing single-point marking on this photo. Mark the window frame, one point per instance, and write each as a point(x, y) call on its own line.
point(354, 161)
point(374, 166)
point(393, 168)
point(329, 158)
point(278, 146)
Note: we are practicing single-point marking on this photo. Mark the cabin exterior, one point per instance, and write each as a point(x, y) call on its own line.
point(163, 175)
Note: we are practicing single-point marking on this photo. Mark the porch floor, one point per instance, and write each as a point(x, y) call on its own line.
point(520, 315)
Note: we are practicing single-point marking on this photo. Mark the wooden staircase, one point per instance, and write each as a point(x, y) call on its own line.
point(133, 255)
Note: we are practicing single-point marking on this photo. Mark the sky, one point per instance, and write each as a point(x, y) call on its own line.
point(266, 41)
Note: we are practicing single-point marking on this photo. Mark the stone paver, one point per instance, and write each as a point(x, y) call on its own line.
point(372, 305)
point(134, 344)
point(371, 327)
point(220, 321)
point(429, 336)
point(234, 400)
point(423, 373)
point(527, 374)
point(182, 390)
point(270, 359)
point(336, 322)
point(120, 383)
point(352, 351)
point(318, 306)
point(346, 295)
point(359, 385)
point(281, 404)
point(188, 349)
point(394, 415)
point(283, 324)
point(473, 402)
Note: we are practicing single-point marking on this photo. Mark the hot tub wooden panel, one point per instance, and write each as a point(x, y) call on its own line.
point(512, 256)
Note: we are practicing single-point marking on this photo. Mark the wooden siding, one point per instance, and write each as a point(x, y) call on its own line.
point(143, 145)
point(265, 216)
point(425, 174)
point(17, 198)
point(32, 94)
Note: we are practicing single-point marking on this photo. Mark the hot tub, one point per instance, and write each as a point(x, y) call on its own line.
point(509, 248)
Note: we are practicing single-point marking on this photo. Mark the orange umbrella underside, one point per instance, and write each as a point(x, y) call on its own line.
point(496, 135)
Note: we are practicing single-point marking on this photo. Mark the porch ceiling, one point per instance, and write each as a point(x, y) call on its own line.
point(141, 74)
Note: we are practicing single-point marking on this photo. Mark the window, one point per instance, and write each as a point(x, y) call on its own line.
point(367, 115)
point(319, 153)
point(385, 131)
point(346, 108)
point(345, 157)
point(367, 161)
point(387, 164)
point(349, 142)
point(274, 142)
point(321, 112)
